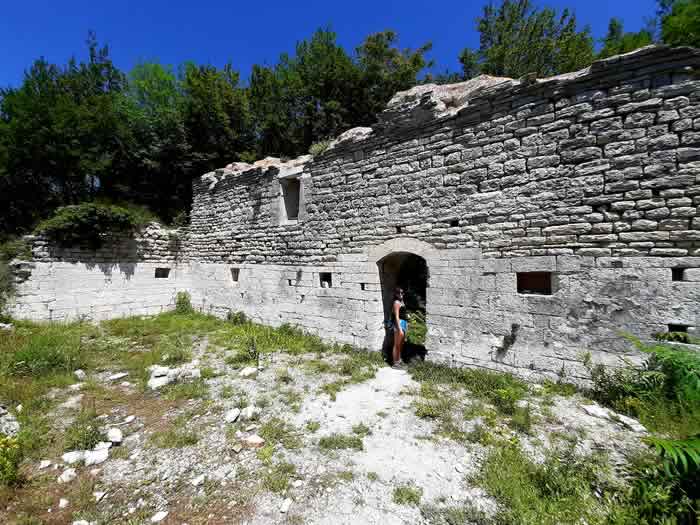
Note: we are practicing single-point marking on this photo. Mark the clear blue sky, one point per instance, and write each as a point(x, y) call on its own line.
point(216, 31)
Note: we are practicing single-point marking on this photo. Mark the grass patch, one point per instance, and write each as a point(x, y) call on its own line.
point(560, 490)
point(177, 435)
point(278, 431)
point(277, 478)
point(407, 495)
point(313, 426)
point(522, 419)
point(340, 441)
point(191, 390)
point(501, 390)
point(84, 433)
point(361, 430)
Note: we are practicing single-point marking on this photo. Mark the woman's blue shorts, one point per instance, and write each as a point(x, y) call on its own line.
point(404, 325)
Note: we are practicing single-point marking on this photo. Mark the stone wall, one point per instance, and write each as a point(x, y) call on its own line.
point(116, 280)
point(591, 179)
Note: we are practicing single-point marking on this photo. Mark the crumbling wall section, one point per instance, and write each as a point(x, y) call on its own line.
point(117, 279)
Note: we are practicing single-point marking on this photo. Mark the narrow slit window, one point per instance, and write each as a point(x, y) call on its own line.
point(398, 229)
point(235, 274)
point(677, 274)
point(362, 286)
point(537, 283)
point(326, 279)
point(678, 328)
point(289, 282)
point(291, 189)
point(162, 273)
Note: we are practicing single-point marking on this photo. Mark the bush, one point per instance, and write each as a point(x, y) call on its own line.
point(90, 222)
point(319, 147)
point(183, 304)
point(10, 457)
point(85, 432)
point(673, 337)
point(237, 318)
point(407, 495)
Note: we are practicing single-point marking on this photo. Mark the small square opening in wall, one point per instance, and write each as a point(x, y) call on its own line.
point(677, 274)
point(398, 229)
point(162, 273)
point(538, 283)
point(326, 279)
point(454, 223)
point(362, 286)
point(678, 328)
point(235, 274)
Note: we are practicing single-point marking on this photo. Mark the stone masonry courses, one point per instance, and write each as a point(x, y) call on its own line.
point(553, 215)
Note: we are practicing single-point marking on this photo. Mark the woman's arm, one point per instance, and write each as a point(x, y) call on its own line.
point(397, 309)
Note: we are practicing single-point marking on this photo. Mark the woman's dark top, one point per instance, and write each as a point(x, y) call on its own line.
point(402, 310)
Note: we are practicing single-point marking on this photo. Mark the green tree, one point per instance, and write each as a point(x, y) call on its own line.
point(60, 136)
point(384, 69)
point(617, 41)
point(680, 23)
point(516, 38)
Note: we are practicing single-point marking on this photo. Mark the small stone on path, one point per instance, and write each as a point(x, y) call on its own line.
point(95, 457)
point(62, 503)
point(67, 476)
point(248, 372)
point(115, 435)
point(69, 458)
point(99, 496)
point(285, 505)
point(116, 377)
point(45, 463)
point(196, 482)
point(159, 516)
point(253, 441)
point(80, 375)
point(232, 415)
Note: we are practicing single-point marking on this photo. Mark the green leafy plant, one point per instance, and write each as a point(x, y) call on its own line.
point(90, 223)
point(183, 304)
point(10, 457)
point(407, 495)
point(84, 433)
point(319, 147)
point(680, 456)
point(237, 318)
point(673, 337)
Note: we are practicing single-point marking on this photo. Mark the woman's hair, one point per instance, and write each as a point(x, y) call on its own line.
point(398, 291)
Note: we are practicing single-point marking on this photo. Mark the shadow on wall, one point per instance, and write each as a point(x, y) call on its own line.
point(410, 272)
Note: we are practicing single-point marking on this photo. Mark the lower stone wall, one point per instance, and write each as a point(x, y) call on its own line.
point(475, 313)
point(64, 291)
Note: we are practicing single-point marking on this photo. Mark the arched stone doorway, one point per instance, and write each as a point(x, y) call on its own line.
point(410, 272)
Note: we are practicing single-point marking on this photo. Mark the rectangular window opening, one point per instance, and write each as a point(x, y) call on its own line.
point(291, 189)
point(677, 274)
point(235, 274)
point(398, 229)
point(289, 282)
point(454, 223)
point(162, 273)
point(362, 286)
point(326, 279)
point(539, 283)
point(678, 328)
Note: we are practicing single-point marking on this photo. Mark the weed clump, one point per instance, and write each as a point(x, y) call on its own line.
point(183, 304)
point(279, 431)
point(277, 478)
point(10, 457)
point(340, 441)
point(84, 433)
point(407, 495)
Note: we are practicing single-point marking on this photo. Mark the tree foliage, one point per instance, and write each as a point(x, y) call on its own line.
point(517, 38)
point(617, 41)
point(680, 23)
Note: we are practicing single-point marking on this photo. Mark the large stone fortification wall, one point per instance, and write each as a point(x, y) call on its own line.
point(591, 177)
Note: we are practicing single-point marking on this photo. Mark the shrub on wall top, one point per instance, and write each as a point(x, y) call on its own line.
point(90, 222)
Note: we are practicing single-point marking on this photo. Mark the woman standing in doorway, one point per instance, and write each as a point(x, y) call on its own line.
point(398, 315)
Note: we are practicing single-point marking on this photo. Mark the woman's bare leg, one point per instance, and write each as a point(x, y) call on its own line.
point(397, 346)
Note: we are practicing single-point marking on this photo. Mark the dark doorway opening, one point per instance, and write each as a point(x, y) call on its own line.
point(410, 272)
